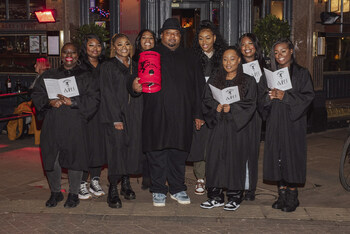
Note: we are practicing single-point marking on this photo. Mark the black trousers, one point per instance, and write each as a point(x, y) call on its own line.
point(167, 165)
point(94, 172)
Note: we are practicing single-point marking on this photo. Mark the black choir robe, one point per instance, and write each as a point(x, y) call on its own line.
point(96, 151)
point(64, 128)
point(230, 137)
point(286, 125)
point(123, 147)
point(201, 136)
point(168, 115)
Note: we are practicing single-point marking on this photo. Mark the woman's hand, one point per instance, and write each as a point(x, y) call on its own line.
point(119, 126)
point(56, 103)
point(276, 93)
point(65, 100)
point(226, 108)
point(219, 108)
point(136, 86)
point(199, 123)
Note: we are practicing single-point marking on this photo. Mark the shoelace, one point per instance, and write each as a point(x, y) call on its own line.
point(83, 188)
point(96, 185)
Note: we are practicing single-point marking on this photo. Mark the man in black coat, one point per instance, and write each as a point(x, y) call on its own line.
point(169, 115)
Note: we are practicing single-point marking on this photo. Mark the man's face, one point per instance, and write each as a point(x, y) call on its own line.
point(171, 38)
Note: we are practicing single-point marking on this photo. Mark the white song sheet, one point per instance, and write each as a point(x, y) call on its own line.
point(253, 69)
point(279, 79)
point(65, 86)
point(225, 96)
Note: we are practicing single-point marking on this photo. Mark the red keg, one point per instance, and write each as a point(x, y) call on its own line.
point(149, 71)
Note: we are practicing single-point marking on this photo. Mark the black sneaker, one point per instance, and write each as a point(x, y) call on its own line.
point(232, 205)
point(54, 199)
point(211, 203)
point(72, 201)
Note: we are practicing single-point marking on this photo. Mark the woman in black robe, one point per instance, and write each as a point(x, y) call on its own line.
point(209, 46)
point(286, 122)
point(63, 140)
point(251, 50)
point(121, 116)
point(145, 40)
point(230, 135)
point(91, 57)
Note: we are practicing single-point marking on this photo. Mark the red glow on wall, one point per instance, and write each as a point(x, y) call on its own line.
point(3, 146)
point(46, 16)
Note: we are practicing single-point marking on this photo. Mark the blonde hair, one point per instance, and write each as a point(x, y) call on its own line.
point(113, 40)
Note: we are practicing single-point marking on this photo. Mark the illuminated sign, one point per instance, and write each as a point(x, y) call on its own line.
point(45, 16)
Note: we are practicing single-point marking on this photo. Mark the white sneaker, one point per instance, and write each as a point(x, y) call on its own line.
point(95, 188)
point(159, 199)
point(200, 187)
point(181, 197)
point(83, 192)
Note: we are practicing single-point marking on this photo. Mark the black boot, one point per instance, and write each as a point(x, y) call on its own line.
point(126, 189)
point(292, 201)
point(72, 201)
point(113, 199)
point(281, 201)
point(54, 199)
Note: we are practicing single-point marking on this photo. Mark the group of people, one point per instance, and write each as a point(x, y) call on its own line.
point(112, 122)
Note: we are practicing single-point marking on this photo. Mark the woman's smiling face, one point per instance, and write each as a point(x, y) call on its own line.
point(69, 56)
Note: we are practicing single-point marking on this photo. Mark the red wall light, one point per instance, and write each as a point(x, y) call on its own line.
point(45, 16)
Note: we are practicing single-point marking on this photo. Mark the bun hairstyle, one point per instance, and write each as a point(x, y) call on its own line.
point(219, 78)
point(274, 64)
point(113, 40)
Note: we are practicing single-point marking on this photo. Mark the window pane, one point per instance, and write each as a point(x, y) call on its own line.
point(2, 10)
point(36, 5)
point(338, 54)
point(277, 8)
point(18, 9)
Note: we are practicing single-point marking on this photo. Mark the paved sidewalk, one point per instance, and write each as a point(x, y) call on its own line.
point(324, 204)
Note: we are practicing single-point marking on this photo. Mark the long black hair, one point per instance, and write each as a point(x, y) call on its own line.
point(258, 54)
point(219, 45)
point(138, 47)
point(219, 78)
point(83, 49)
point(274, 63)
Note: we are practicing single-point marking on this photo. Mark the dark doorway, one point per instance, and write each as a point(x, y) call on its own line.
point(189, 20)
point(190, 13)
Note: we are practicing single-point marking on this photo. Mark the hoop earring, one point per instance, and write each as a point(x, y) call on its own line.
point(78, 62)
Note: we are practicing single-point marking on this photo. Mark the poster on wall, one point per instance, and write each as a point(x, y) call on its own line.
point(53, 45)
point(34, 44)
point(101, 23)
point(43, 44)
